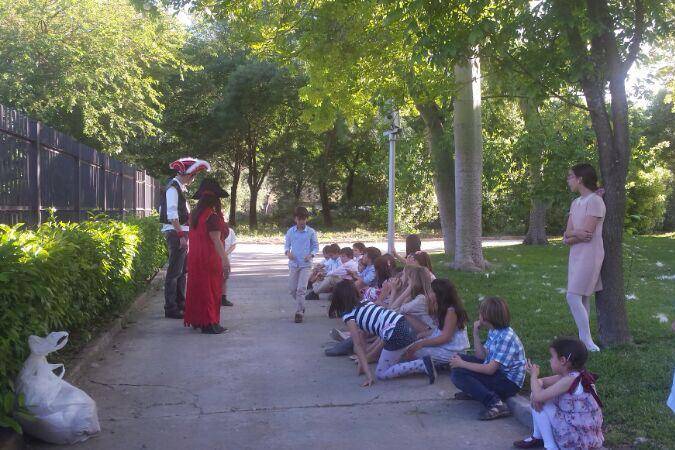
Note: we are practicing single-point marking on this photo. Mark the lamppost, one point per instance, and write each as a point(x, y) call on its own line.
point(392, 133)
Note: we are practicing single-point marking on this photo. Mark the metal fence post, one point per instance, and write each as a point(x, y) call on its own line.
point(78, 183)
point(37, 188)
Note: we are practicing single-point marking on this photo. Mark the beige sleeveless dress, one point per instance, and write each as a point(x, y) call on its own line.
point(585, 260)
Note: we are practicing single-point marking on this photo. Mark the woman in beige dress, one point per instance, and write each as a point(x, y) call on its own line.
point(584, 236)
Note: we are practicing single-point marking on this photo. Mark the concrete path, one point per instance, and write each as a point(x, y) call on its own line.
point(266, 384)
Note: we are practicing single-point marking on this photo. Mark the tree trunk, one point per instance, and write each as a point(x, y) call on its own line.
point(252, 180)
point(614, 152)
point(536, 227)
point(253, 210)
point(349, 188)
point(325, 203)
point(468, 167)
point(236, 175)
point(297, 191)
point(444, 172)
point(669, 218)
point(329, 147)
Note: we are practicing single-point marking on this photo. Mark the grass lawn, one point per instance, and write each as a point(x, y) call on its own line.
point(635, 379)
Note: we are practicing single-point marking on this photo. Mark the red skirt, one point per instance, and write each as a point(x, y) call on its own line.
point(204, 279)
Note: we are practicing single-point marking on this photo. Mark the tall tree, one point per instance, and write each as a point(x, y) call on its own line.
point(89, 68)
point(468, 166)
point(259, 104)
point(532, 143)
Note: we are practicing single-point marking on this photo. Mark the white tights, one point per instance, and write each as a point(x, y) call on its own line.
point(542, 425)
point(581, 308)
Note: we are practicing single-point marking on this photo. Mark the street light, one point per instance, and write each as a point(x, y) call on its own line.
point(392, 133)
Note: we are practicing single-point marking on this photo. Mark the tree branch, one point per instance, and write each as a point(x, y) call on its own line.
point(638, 32)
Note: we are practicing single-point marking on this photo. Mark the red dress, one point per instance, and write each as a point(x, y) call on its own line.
point(205, 271)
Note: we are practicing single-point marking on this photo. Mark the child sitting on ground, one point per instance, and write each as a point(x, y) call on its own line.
point(388, 325)
point(320, 267)
point(329, 264)
point(565, 407)
point(421, 259)
point(359, 250)
point(497, 371)
point(342, 272)
point(450, 336)
point(365, 278)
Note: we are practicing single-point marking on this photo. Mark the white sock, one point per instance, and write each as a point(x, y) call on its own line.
point(580, 315)
point(542, 425)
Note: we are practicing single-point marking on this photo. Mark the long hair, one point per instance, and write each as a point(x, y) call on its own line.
point(420, 283)
point(413, 244)
point(586, 172)
point(423, 260)
point(205, 202)
point(447, 297)
point(382, 269)
point(344, 298)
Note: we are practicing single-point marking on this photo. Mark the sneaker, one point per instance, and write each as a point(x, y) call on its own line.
point(430, 369)
point(530, 442)
point(495, 411)
point(298, 317)
point(312, 296)
point(225, 302)
point(336, 335)
point(173, 314)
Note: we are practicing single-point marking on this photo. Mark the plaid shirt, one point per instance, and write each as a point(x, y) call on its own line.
point(504, 346)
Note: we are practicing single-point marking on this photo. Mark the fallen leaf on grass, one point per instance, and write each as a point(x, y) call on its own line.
point(662, 318)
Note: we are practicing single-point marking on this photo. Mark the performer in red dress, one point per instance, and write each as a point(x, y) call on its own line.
point(207, 259)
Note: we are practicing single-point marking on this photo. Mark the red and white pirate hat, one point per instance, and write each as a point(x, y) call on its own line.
point(187, 166)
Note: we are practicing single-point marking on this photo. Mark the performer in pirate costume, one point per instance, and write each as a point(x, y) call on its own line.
point(173, 214)
point(207, 260)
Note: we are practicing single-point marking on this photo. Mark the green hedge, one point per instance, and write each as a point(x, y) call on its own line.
point(66, 276)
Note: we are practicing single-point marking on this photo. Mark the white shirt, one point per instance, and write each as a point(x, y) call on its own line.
point(230, 240)
point(344, 269)
point(172, 206)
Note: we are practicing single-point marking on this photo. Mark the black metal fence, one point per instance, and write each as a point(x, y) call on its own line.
point(41, 169)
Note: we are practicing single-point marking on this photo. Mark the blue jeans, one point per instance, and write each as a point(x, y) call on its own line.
point(487, 389)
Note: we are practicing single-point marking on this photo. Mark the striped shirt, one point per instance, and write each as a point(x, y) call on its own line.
point(373, 319)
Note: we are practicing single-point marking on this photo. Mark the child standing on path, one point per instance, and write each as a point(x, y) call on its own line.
point(565, 407)
point(300, 247)
point(230, 244)
point(497, 372)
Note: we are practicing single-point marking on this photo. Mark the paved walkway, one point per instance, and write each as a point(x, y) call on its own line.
point(266, 384)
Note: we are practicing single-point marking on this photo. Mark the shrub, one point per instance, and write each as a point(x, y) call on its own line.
point(647, 194)
point(66, 276)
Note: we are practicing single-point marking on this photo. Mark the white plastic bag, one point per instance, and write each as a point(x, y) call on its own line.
point(63, 413)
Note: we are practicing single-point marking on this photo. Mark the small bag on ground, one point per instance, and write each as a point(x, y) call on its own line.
point(63, 414)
